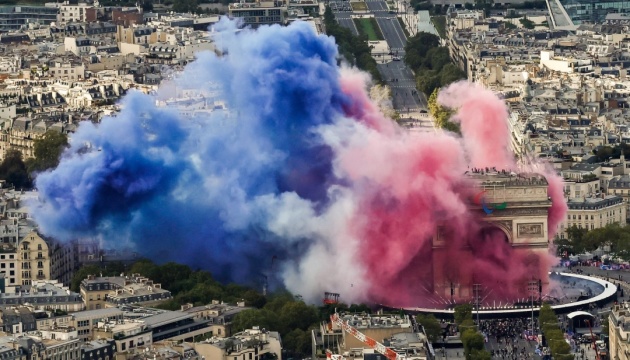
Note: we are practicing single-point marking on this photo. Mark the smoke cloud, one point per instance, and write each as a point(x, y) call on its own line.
point(301, 179)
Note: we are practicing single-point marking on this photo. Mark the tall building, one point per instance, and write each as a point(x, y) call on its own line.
point(259, 12)
point(16, 17)
point(593, 11)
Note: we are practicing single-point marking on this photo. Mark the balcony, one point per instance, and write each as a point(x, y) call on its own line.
point(41, 277)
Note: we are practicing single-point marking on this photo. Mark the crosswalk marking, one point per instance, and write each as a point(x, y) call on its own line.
point(403, 86)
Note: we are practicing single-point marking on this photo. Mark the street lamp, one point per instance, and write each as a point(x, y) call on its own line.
point(532, 287)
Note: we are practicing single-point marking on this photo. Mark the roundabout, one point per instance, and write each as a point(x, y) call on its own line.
point(588, 292)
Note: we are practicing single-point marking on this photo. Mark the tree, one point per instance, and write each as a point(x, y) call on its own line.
point(185, 6)
point(299, 341)
point(253, 298)
point(440, 114)
point(547, 315)
point(463, 312)
point(476, 354)
point(13, 170)
point(428, 81)
point(472, 340)
point(81, 274)
point(254, 317)
point(296, 315)
point(145, 268)
point(48, 150)
point(576, 237)
point(431, 326)
point(449, 74)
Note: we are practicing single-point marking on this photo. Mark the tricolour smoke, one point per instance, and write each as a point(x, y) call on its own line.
point(301, 179)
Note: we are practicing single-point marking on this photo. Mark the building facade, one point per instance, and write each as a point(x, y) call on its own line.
point(259, 12)
point(594, 213)
point(619, 328)
point(33, 259)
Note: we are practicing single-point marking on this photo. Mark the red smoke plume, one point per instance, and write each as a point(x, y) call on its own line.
point(411, 184)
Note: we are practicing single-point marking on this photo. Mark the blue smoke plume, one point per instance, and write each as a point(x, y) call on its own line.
point(200, 189)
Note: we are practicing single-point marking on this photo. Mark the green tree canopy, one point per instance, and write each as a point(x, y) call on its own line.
point(431, 326)
point(47, 151)
point(472, 340)
point(13, 170)
point(431, 62)
point(463, 312)
point(441, 115)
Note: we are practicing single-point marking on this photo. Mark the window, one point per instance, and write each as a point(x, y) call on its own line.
point(39, 246)
point(40, 265)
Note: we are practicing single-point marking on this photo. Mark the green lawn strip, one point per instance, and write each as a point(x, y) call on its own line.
point(440, 25)
point(377, 29)
point(369, 28)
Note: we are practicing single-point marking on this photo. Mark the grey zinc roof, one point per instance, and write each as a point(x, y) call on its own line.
point(98, 313)
point(165, 318)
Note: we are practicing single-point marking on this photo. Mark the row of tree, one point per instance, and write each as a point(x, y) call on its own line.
point(19, 173)
point(472, 339)
point(355, 49)
point(605, 153)
point(560, 349)
point(430, 62)
point(441, 115)
point(580, 240)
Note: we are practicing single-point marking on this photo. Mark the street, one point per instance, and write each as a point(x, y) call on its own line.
point(400, 79)
point(395, 73)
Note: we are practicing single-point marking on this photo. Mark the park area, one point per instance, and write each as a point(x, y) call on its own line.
point(369, 28)
point(358, 6)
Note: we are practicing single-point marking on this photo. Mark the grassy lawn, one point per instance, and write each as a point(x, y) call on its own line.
point(359, 6)
point(369, 27)
point(402, 25)
point(440, 25)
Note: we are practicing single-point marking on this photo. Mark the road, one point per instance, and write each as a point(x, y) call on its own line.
point(344, 19)
point(390, 27)
point(398, 76)
point(405, 97)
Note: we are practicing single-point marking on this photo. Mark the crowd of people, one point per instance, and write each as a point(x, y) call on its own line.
point(510, 337)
